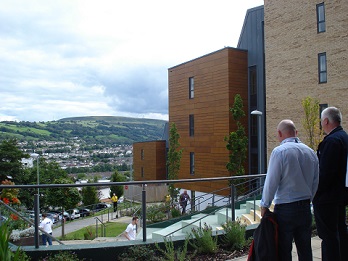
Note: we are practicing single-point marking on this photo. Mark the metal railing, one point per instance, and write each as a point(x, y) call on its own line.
point(231, 196)
point(103, 231)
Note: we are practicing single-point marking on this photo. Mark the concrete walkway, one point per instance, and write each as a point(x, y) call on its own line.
point(316, 249)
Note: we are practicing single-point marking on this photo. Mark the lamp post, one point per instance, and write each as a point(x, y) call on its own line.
point(36, 156)
point(37, 202)
point(259, 115)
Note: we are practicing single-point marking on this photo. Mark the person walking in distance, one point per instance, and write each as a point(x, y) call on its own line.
point(131, 231)
point(46, 225)
point(184, 198)
point(114, 200)
point(332, 196)
point(291, 182)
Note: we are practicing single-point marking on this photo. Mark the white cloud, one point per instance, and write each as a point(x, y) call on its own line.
point(109, 57)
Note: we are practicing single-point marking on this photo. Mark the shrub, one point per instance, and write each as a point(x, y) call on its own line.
point(203, 240)
point(140, 252)
point(172, 254)
point(234, 235)
point(175, 212)
point(154, 213)
point(5, 252)
point(62, 256)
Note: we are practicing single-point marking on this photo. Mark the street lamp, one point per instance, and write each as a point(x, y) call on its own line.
point(37, 202)
point(259, 115)
point(36, 156)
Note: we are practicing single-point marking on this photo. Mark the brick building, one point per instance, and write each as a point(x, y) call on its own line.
point(306, 55)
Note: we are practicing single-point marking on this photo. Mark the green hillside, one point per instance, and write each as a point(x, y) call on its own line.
point(93, 129)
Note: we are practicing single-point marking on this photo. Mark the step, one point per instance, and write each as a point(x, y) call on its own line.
point(248, 219)
point(257, 215)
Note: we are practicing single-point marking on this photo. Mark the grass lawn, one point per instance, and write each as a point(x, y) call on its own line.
point(112, 229)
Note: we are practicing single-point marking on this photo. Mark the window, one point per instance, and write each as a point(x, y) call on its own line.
point(321, 26)
point(191, 125)
point(322, 107)
point(252, 80)
point(253, 125)
point(142, 154)
point(192, 163)
point(142, 172)
point(253, 86)
point(191, 87)
point(322, 70)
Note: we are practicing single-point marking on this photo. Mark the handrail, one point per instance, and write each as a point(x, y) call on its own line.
point(199, 219)
point(101, 184)
point(96, 227)
point(143, 183)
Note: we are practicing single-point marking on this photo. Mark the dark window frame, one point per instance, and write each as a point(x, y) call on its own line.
point(191, 87)
point(321, 21)
point(322, 68)
point(322, 107)
point(192, 163)
point(142, 154)
point(191, 125)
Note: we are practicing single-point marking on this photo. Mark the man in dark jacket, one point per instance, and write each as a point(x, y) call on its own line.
point(332, 196)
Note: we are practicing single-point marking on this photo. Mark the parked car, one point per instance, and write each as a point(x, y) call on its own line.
point(67, 216)
point(121, 199)
point(51, 216)
point(32, 217)
point(54, 215)
point(85, 212)
point(58, 213)
point(101, 206)
point(3, 219)
point(75, 213)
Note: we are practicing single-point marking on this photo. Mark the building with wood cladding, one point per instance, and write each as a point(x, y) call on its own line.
point(201, 92)
point(149, 160)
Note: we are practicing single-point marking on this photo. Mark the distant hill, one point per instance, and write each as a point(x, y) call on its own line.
point(91, 129)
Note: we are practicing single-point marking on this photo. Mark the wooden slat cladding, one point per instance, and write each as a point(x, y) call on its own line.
point(149, 156)
point(218, 77)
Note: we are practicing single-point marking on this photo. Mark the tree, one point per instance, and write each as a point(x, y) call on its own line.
point(66, 197)
point(11, 160)
point(173, 161)
point(237, 141)
point(89, 195)
point(118, 190)
point(48, 173)
point(311, 122)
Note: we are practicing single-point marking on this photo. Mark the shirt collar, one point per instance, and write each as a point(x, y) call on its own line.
point(291, 139)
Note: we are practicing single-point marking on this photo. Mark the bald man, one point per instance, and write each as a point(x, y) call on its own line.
point(291, 182)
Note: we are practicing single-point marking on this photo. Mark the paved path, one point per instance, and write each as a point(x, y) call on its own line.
point(316, 249)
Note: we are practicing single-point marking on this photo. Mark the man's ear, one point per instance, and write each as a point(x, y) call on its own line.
point(280, 133)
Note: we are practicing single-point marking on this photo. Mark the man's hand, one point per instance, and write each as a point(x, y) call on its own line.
point(263, 211)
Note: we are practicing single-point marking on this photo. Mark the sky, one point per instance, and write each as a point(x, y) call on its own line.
point(72, 58)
